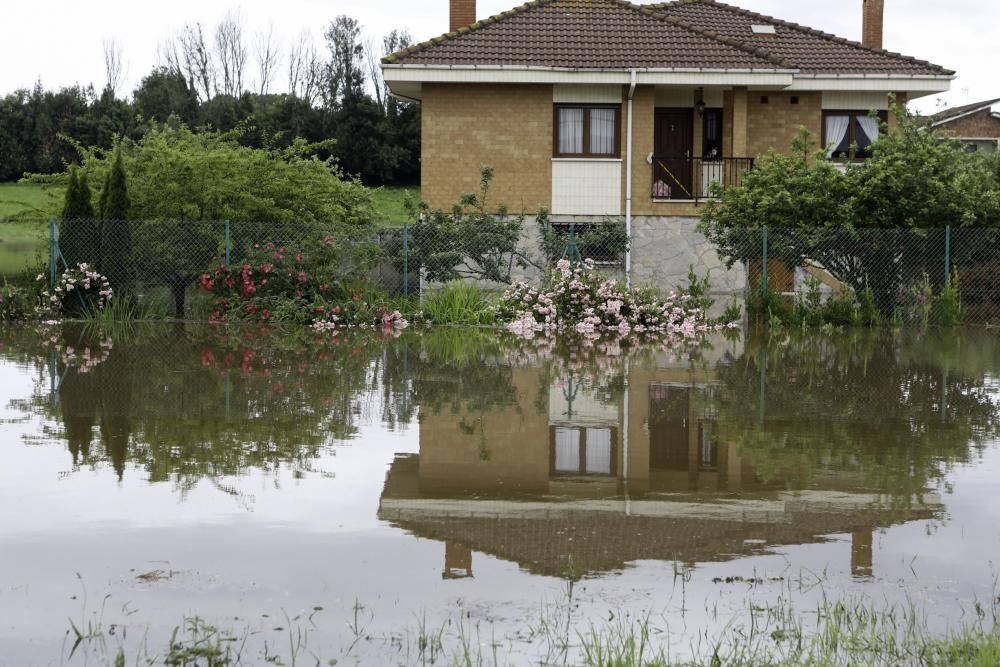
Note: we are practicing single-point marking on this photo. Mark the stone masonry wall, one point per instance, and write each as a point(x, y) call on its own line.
point(664, 248)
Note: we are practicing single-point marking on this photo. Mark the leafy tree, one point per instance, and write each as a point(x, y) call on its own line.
point(345, 77)
point(182, 185)
point(164, 93)
point(77, 240)
point(878, 224)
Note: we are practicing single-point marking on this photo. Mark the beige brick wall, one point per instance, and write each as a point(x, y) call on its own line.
point(508, 127)
point(774, 125)
point(980, 125)
point(643, 108)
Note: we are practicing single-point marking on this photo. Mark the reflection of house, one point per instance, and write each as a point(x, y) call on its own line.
point(569, 482)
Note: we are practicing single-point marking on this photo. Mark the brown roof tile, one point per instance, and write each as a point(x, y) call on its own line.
point(616, 34)
point(812, 51)
point(587, 34)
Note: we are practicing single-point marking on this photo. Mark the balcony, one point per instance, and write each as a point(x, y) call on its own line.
point(692, 178)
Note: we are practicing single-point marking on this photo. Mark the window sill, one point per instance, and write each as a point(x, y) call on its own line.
point(586, 159)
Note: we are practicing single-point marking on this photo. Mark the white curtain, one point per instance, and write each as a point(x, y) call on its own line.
point(836, 132)
point(869, 126)
point(602, 131)
point(567, 450)
point(571, 131)
point(599, 451)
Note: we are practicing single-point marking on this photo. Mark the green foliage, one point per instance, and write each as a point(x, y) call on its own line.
point(948, 310)
point(841, 309)
point(916, 182)
point(17, 303)
point(115, 255)
point(77, 239)
point(605, 241)
point(458, 303)
point(868, 312)
point(178, 178)
point(470, 241)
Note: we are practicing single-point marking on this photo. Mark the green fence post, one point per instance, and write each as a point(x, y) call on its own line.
point(229, 244)
point(763, 271)
point(53, 253)
point(406, 260)
point(947, 255)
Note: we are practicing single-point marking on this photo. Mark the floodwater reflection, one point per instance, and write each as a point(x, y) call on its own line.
point(569, 459)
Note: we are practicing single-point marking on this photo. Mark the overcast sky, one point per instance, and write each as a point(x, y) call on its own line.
point(60, 41)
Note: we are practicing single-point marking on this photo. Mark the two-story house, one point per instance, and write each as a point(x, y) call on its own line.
point(601, 108)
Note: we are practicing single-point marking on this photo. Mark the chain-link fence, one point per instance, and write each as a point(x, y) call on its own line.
point(939, 276)
point(931, 275)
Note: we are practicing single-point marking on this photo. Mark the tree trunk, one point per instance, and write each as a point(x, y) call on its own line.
point(178, 286)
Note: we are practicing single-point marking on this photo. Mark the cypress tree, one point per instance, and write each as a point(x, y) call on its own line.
point(77, 240)
point(116, 238)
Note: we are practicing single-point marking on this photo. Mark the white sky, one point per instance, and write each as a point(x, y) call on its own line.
point(60, 41)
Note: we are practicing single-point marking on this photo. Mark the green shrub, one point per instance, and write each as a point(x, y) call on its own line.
point(17, 303)
point(841, 309)
point(947, 310)
point(458, 303)
point(868, 313)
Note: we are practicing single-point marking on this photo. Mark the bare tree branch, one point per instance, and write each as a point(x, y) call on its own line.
point(373, 62)
point(196, 61)
point(231, 52)
point(304, 68)
point(268, 58)
point(114, 67)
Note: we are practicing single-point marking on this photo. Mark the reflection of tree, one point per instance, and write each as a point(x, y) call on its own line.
point(458, 369)
point(896, 409)
point(188, 403)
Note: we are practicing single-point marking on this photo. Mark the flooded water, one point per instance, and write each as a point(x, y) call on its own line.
point(357, 494)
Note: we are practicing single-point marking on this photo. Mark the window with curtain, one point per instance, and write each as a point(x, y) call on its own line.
point(587, 131)
point(850, 134)
point(712, 147)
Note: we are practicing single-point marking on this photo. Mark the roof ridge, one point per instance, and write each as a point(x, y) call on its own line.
point(803, 28)
point(710, 34)
point(472, 27)
point(952, 113)
point(646, 11)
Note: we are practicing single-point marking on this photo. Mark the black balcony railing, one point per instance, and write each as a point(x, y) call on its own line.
point(693, 178)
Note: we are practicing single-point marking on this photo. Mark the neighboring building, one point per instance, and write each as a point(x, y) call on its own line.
point(977, 125)
point(597, 108)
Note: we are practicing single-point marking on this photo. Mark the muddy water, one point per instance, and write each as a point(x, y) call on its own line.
point(351, 494)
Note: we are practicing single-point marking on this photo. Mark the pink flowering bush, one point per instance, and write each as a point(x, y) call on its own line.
point(78, 290)
point(581, 299)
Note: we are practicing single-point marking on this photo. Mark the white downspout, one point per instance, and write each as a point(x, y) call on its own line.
point(628, 181)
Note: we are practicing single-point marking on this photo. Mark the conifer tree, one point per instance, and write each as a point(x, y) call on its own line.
point(77, 240)
point(116, 239)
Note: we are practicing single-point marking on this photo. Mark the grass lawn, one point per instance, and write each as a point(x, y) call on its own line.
point(29, 202)
point(24, 212)
point(389, 202)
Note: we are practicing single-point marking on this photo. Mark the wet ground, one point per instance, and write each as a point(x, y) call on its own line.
point(355, 495)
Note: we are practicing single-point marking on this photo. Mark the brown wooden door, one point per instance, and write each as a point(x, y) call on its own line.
point(672, 145)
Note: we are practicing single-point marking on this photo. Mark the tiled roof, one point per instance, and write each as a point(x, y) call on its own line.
point(586, 34)
point(811, 51)
point(955, 112)
point(685, 34)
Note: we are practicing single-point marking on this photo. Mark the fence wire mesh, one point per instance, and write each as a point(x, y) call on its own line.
point(903, 274)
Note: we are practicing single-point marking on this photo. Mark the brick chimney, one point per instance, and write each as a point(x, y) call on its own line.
point(871, 28)
point(463, 13)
